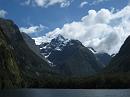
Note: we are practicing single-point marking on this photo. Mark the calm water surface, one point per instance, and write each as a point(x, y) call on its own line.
point(65, 93)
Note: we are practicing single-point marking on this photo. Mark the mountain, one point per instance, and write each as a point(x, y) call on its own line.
point(70, 57)
point(31, 44)
point(102, 57)
point(16, 57)
point(10, 75)
point(120, 62)
point(22, 65)
point(56, 44)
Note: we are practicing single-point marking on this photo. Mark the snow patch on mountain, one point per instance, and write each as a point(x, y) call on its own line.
point(92, 50)
point(56, 44)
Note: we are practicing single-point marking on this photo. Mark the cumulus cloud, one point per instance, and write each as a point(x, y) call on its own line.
point(83, 4)
point(2, 13)
point(103, 30)
point(47, 3)
point(32, 29)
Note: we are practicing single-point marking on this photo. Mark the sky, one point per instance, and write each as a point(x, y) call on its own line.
point(101, 24)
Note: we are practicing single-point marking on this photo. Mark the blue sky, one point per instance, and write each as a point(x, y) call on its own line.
point(101, 24)
point(53, 16)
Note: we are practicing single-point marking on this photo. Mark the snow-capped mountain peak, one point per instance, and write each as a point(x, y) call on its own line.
point(60, 38)
point(56, 44)
point(58, 41)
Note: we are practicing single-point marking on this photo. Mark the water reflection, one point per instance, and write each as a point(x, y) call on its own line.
point(65, 93)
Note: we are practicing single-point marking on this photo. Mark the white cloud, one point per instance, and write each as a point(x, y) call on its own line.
point(33, 29)
point(83, 4)
point(103, 30)
point(47, 3)
point(98, 1)
point(2, 13)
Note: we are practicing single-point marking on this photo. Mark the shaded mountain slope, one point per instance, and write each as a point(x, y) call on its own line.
point(31, 44)
point(121, 61)
point(103, 58)
point(29, 62)
point(10, 75)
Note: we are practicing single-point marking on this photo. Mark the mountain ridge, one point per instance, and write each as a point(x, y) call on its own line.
point(27, 63)
point(68, 56)
point(120, 62)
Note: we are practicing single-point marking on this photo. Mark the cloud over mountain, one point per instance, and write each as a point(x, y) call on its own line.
point(104, 30)
point(33, 29)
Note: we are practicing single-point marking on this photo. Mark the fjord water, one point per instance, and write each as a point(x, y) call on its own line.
point(66, 93)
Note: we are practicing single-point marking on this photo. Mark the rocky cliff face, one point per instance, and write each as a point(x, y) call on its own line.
point(16, 58)
point(10, 75)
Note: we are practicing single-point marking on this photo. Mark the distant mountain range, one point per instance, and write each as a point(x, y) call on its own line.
point(25, 64)
point(70, 57)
